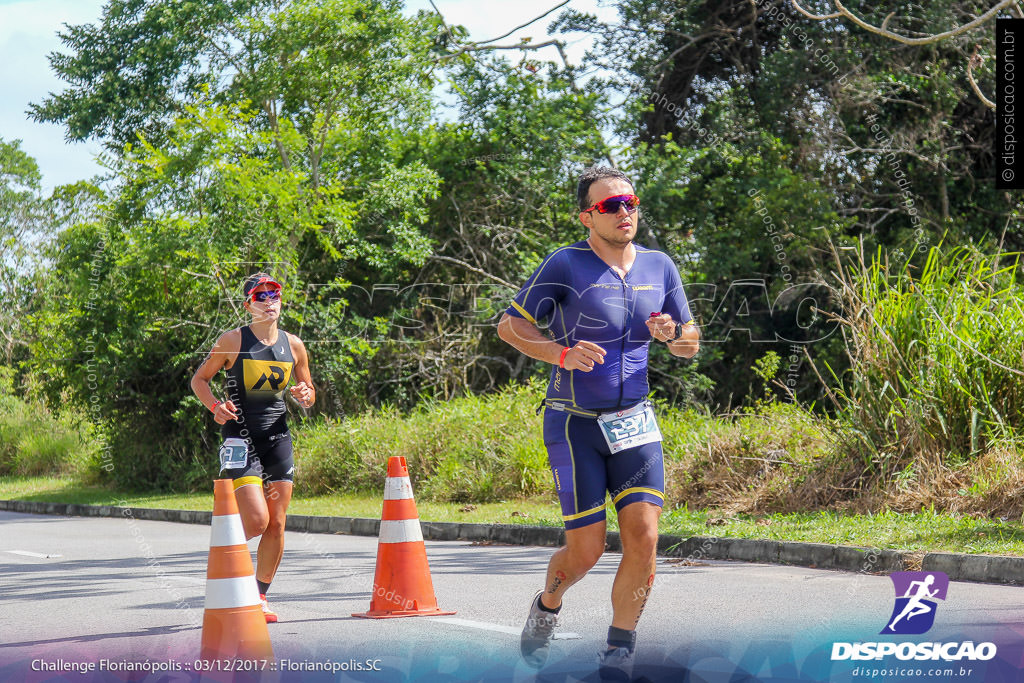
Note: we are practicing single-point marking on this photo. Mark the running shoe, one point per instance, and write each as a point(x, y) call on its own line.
point(271, 616)
point(537, 634)
point(615, 664)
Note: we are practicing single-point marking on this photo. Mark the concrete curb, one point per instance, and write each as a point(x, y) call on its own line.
point(978, 568)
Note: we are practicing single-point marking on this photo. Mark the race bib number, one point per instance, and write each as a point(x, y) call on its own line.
point(628, 428)
point(232, 454)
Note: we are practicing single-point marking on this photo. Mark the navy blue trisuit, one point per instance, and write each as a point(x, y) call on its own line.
point(578, 297)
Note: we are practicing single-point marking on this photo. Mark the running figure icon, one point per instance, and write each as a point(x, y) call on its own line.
point(915, 606)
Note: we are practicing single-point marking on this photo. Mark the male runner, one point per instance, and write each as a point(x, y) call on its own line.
point(603, 300)
point(259, 360)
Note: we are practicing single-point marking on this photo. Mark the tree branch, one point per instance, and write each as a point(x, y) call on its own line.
point(816, 17)
point(882, 31)
point(474, 47)
point(974, 61)
point(506, 35)
point(443, 22)
point(474, 269)
point(483, 46)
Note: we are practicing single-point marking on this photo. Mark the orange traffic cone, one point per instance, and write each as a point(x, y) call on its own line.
point(402, 585)
point(233, 624)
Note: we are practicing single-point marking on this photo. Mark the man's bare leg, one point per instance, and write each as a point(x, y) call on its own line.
point(570, 563)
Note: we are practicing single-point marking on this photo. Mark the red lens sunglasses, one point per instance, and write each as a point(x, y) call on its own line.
point(613, 204)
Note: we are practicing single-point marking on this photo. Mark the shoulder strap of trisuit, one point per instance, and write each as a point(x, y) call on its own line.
point(248, 340)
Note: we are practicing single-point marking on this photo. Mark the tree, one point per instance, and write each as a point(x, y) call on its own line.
point(316, 65)
point(301, 166)
point(508, 168)
point(885, 141)
point(976, 22)
point(24, 223)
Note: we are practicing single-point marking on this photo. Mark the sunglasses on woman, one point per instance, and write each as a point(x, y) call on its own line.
point(613, 204)
point(270, 295)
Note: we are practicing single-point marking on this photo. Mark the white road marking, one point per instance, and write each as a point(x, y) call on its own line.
point(27, 553)
point(499, 628)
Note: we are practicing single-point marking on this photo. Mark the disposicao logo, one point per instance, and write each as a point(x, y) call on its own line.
point(916, 592)
point(914, 614)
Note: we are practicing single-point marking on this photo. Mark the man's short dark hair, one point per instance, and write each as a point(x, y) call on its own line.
point(592, 175)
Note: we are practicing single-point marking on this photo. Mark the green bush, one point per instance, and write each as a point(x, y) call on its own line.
point(491, 448)
point(935, 361)
point(472, 449)
point(34, 441)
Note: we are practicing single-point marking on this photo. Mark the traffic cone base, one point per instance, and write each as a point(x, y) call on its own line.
point(235, 633)
point(394, 614)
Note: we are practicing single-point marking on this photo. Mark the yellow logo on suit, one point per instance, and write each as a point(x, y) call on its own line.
point(268, 376)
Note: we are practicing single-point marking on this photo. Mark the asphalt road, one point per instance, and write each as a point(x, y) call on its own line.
point(80, 590)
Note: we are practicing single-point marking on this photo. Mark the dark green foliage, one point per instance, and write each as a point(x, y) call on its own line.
point(132, 71)
point(847, 134)
point(302, 138)
point(280, 179)
point(25, 220)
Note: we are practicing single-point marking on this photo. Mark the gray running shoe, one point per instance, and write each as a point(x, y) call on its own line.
point(615, 664)
point(537, 634)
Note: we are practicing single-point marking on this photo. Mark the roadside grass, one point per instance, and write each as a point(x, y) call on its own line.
point(485, 449)
point(918, 531)
point(923, 448)
point(55, 490)
point(473, 449)
point(772, 458)
point(925, 531)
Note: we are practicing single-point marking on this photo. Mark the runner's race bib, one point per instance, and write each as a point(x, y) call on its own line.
point(628, 428)
point(232, 454)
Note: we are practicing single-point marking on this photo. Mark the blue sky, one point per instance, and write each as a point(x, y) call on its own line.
point(28, 33)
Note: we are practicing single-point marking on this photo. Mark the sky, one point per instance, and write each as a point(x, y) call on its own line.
point(28, 33)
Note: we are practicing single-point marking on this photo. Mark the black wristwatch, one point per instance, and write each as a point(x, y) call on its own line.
point(679, 333)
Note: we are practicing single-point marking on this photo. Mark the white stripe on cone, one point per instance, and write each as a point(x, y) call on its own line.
point(400, 531)
point(239, 591)
point(397, 488)
point(226, 530)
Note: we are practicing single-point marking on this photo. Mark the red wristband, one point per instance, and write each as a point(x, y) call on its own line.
point(213, 408)
point(561, 359)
